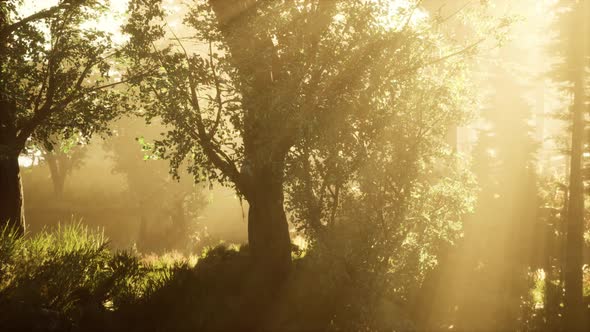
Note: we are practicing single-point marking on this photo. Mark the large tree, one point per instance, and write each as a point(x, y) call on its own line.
point(261, 82)
point(577, 62)
point(55, 71)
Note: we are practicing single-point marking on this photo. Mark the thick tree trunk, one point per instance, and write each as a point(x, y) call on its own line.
point(11, 194)
point(266, 137)
point(268, 230)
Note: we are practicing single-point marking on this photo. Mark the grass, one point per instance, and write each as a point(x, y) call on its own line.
point(67, 278)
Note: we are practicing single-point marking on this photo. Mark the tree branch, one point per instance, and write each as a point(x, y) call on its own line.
point(4, 33)
point(217, 93)
point(443, 58)
point(47, 110)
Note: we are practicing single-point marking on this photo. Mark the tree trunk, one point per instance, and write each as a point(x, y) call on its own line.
point(574, 311)
point(266, 138)
point(178, 216)
point(268, 230)
point(574, 305)
point(58, 174)
point(11, 194)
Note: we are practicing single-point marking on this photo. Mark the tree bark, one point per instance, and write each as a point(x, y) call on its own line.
point(265, 145)
point(11, 195)
point(268, 230)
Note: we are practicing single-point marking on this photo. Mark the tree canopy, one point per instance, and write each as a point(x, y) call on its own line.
point(301, 95)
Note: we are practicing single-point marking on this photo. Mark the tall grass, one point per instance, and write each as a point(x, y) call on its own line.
point(66, 277)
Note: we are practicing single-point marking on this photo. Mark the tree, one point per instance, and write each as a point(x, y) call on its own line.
point(167, 208)
point(55, 71)
point(62, 157)
point(500, 234)
point(574, 52)
point(265, 80)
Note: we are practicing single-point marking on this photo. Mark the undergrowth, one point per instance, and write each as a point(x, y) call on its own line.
point(69, 280)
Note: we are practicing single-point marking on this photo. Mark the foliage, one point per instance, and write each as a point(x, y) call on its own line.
point(380, 191)
point(342, 106)
point(56, 70)
point(336, 84)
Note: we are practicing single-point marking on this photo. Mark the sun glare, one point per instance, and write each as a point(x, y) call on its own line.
point(110, 21)
point(294, 165)
point(397, 12)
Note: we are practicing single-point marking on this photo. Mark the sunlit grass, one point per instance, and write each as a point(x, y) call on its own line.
point(169, 259)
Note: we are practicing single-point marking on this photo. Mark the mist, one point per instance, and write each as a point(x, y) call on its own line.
point(308, 165)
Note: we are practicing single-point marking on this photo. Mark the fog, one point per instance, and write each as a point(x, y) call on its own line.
point(308, 165)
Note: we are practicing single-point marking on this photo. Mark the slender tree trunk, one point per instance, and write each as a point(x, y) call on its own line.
point(11, 194)
point(178, 216)
point(58, 174)
point(574, 310)
point(574, 305)
point(179, 230)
